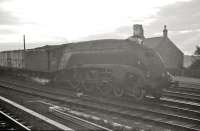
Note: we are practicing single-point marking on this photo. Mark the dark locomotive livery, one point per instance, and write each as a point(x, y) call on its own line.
point(110, 66)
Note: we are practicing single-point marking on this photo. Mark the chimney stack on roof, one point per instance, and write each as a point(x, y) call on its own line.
point(138, 34)
point(165, 31)
point(138, 31)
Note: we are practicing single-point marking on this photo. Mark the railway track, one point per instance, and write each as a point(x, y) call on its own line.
point(184, 91)
point(78, 123)
point(142, 113)
point(33, 117)
point(85, 124)
point(182, 96)
point(9, 121)
point(174, 104)
point(158, 116)
point(187, 86)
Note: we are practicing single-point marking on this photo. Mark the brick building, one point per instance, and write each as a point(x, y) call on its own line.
point(172, 56)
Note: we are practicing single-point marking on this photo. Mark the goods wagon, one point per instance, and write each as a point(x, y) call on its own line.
point(12, 59)
point(112, 67)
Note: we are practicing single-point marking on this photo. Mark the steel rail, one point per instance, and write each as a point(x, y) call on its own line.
point(17, 124)
point(87, 124)
point(35, 114)
point(185, 90)
point(182, 96)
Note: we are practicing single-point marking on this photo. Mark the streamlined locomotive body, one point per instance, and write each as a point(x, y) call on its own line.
point(111, 67)
point(118, 67)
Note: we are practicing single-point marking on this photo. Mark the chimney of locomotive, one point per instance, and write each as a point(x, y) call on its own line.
point(165, 31)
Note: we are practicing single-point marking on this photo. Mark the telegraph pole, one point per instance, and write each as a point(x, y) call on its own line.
point(24, 42)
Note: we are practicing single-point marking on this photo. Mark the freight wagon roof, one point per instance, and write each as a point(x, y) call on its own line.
point(12, 51)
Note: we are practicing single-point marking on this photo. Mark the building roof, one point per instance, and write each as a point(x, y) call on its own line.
point(156, 41)
point(153, 42)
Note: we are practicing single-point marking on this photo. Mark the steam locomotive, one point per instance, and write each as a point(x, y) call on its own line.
point(118, 67)
point(115, 67)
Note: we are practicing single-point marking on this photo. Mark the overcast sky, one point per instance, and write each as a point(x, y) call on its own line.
point(60, 21)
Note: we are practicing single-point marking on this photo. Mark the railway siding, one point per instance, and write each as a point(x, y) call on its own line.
point(37, 121)
point(187, 80)
point(129, 115)
point(183, 124)
point(9, 121)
